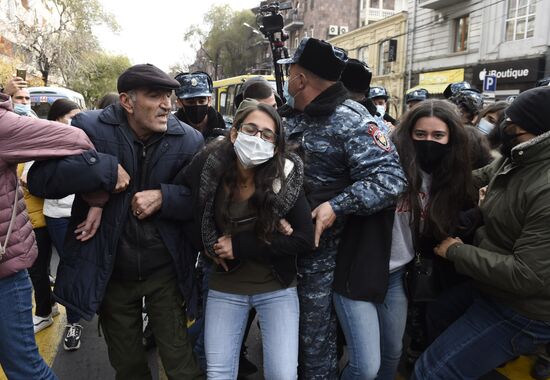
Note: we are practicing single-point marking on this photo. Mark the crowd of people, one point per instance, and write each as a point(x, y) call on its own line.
point(335, 225)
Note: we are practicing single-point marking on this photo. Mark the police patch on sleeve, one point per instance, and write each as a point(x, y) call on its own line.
point(379, 137)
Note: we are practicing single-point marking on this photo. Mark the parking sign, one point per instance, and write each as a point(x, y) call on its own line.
point(490, 83)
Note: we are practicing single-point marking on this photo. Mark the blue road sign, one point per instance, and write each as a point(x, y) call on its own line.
point(490, 83)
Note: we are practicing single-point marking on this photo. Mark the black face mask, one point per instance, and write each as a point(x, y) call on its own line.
point(507, 140)
point(196, 114)
point(430, 153)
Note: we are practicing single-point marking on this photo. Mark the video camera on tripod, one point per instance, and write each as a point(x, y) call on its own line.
point(271, 24)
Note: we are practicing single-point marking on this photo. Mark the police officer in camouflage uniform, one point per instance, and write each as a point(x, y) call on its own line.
point(195, 104)
point(350, 168)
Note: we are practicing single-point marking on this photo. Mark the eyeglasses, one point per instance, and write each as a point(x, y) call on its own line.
point(265, 134)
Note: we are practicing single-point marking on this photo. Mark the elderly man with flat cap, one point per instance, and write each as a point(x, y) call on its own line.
point(351, 168)
point(140, 249)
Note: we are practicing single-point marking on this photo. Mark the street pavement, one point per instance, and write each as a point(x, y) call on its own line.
point(91, 361)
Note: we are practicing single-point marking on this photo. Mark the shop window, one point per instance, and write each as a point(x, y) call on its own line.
point(520, 19)
point(461, 33)
point(384, 65)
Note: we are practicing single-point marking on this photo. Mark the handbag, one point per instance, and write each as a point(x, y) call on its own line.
point(420, 283)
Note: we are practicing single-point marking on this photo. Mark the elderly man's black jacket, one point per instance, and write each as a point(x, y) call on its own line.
point(86, 267)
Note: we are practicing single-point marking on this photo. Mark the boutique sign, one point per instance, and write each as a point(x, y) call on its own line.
point(524, 70)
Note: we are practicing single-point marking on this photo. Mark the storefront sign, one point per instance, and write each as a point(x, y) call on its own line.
point(523, 70)
point(440, 77)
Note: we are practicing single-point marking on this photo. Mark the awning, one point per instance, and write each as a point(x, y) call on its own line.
point(432, 88)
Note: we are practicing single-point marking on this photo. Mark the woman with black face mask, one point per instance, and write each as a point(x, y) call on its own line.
point(433, 148)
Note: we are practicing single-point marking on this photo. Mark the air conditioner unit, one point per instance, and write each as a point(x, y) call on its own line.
point(439, 17)
point(333, 30)
point(344, 29)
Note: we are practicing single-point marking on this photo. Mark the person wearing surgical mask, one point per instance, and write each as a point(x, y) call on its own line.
point(21, 100)
point(379, 96)
point(254, 220)
point(490, 115)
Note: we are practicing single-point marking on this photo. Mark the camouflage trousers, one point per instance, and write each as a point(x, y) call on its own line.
point(317, 358)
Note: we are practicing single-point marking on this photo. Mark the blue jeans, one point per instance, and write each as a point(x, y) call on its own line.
point(57, 228)
point(225, 322)
point(374, 332)
point(19, 355)
point(486, 336)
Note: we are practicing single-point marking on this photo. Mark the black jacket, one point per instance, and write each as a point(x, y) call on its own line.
point(85, 268)
point(204, 175)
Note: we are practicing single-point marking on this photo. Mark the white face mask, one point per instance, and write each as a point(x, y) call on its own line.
point(381, 110)
point(485, 126)
point(252, 150)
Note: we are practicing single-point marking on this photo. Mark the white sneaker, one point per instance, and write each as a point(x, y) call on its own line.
point(40, 323)
point(55, 310)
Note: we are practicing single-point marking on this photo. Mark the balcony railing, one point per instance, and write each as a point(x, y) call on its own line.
point(294, 21)
point(379, 14)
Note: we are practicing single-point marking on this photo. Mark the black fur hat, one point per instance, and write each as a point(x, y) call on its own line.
point(319, 57)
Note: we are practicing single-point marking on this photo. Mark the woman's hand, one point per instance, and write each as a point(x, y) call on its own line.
point(224, 248)
point(441, 248)
point(284, 227)
point(482, 193)
point(87, 229)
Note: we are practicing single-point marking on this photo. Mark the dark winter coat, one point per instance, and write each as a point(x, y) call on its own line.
point(204, 176)
point(86, 267)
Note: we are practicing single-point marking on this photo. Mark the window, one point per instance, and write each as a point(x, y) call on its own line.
point(363, 54)
point(520, 19)
point(461, 33)
point(383, 4)
point(311, 4)
point(384, 66)
point(388, 4)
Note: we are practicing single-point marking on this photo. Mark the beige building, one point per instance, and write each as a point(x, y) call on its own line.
point(382, 45)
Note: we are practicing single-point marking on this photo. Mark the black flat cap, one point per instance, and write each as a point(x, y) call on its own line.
point(319, 57)
point(145, 76)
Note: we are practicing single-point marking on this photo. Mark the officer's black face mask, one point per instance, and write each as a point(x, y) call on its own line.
point(430, 153)
point(197, 113)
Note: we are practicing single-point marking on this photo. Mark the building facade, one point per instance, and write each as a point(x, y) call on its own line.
point(322, 19)
point(375, 10)
point(465, 40)
point(382, 45)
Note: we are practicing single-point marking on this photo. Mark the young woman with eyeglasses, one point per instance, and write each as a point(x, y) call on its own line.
point(244, 185)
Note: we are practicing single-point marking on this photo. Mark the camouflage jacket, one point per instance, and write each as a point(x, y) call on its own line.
point(348, 159)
